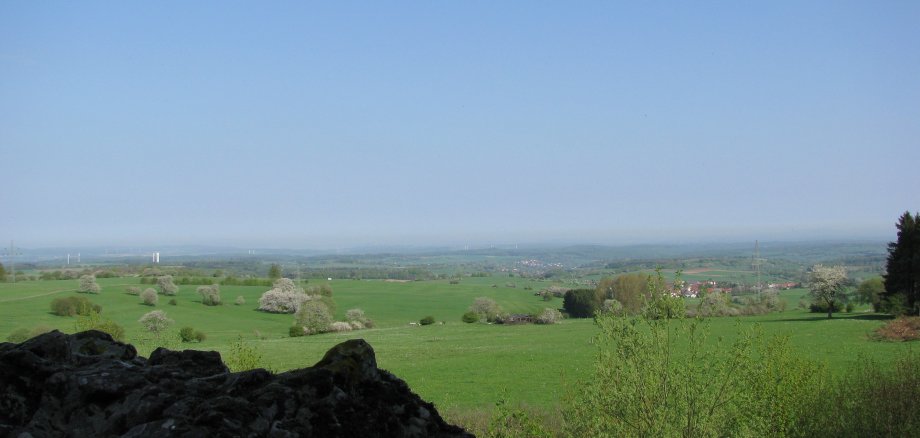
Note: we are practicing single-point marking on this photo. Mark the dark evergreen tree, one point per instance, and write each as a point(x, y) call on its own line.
point(582, 303)
point(902, 281)
point(2, 273)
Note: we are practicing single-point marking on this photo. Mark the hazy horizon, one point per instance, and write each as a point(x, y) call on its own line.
point(295, 125)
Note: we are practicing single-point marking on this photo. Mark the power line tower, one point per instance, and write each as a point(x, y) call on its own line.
point(756, 264)
point(11, 254)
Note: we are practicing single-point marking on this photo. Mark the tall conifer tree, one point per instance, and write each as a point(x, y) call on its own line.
point(902, 281)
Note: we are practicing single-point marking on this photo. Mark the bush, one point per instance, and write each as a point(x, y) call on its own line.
point(210, 295)
point(296, 331)
point(486, 308)
point(200, 336)
point(581, 303)
point(149, 296)
point(340, 326)
point(88, 285)
point(641, 386)
point(470, 317)
point(901, 329)
point(240, 301)
point(836, 307)
point(283, 297)
point(242, 357)
point(166, 285)
point(548, 316)
point(428, 320)
point(70, 306)
point(613, 306)
point(187, 334)
point(314, 317)
point(353, 316)
point(23, 334)
point(173, 302)
point(94, 321)
point(155, 322)
point(133, 290)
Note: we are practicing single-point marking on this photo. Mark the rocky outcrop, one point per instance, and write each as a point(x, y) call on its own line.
point(88, 384)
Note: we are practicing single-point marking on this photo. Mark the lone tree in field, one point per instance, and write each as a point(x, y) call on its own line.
point(827, 285)
point(166, 285)
point(155, 322)
point(88, 284)
point(902, 281)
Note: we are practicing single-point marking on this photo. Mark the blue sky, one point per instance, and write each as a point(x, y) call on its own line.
point(299, 124)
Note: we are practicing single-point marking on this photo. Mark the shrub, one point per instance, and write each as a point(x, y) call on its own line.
point(283, 297)
point(548, 316)
point(340, 326)
point(822, 307)
point(323, 290)
point(166, 285)
point(357, 325)
point(173, 302)
point(641, 386)
point(900, 329)
point(486, 308)
point(210, 295)
point(200, 336)
point(88, 285)
point(849, 307)
point(354, 316)
point(187, 334)
point(581, 303)
point(70, 306)
point(23, 334)
point(94, 321)
point(314, 317)
point(296, 331)
point(428, 320)
point(149, 297)
point(242, 357)
point(470, 317)
point(240, 301)
point(155, 322)
point(133, 290)
point(613, 306)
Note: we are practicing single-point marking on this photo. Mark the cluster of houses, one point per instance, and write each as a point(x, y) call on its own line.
point(693, 290)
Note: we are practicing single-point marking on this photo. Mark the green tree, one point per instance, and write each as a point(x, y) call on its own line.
point(902, 280)
point(827, 285)
point(870, 292)
point(274, 272)
point(631, 290)
point(2, 272)
point(582, 303)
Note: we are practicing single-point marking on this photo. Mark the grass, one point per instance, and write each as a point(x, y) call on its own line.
point(458, 366)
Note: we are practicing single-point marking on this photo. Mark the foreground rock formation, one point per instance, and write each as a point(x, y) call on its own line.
point(87, 384)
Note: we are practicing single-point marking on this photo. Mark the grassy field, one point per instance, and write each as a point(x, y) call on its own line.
point(455, 365)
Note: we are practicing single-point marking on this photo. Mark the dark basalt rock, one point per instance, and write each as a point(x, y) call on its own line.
point(88, 384)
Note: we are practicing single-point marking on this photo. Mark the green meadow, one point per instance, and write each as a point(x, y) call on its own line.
point(455, 365)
